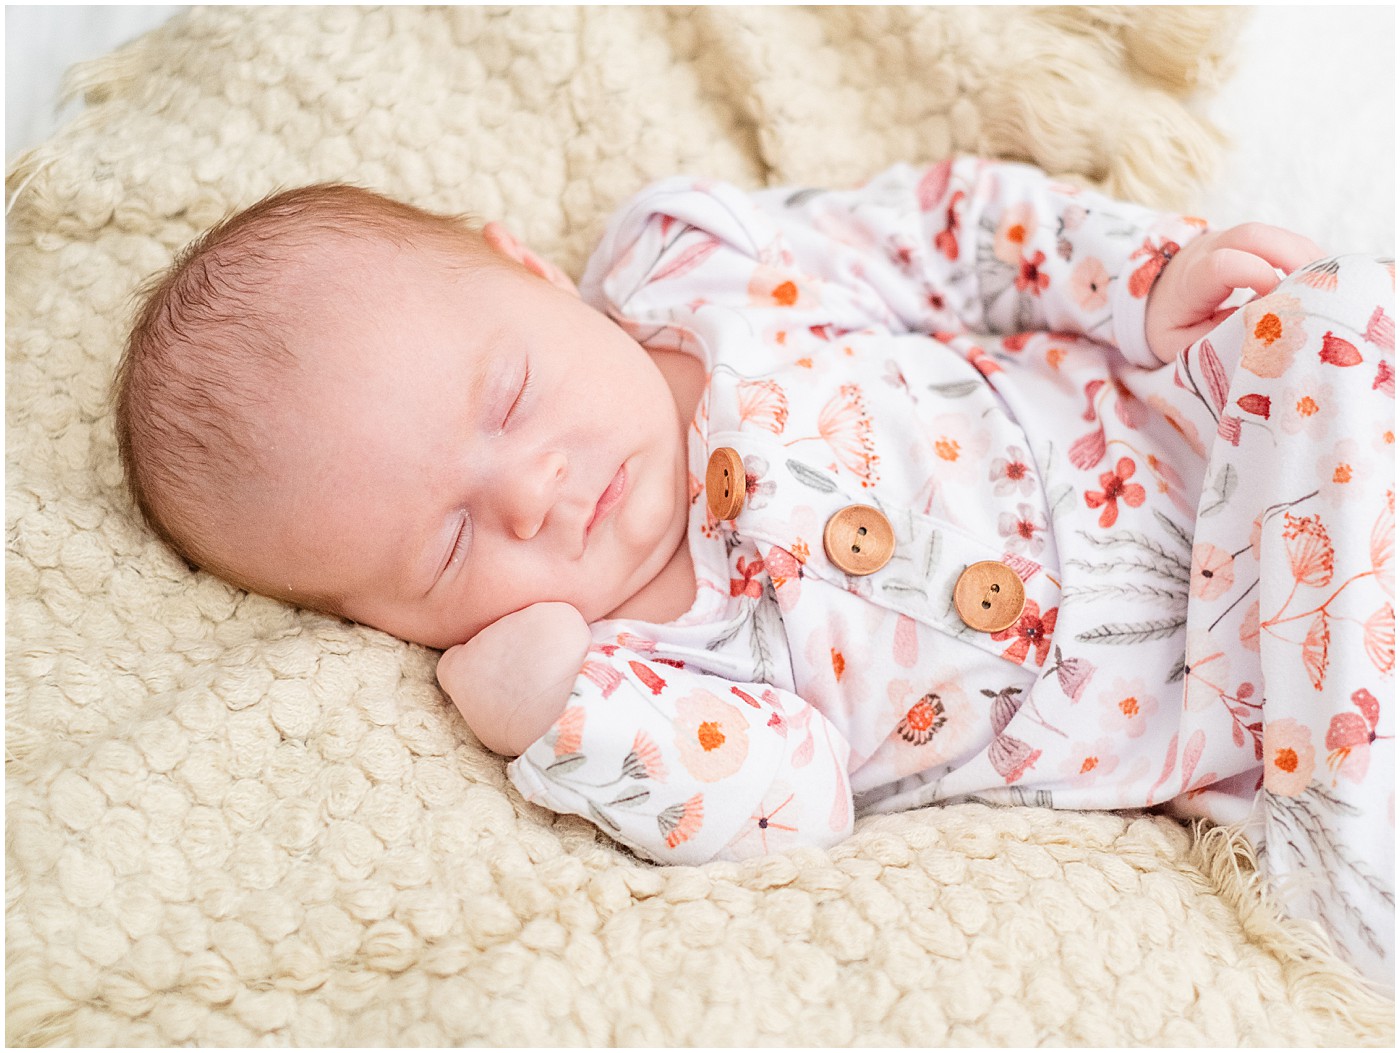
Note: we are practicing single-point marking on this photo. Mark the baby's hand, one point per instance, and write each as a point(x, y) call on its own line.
point(1185, 302)
point(512, 679)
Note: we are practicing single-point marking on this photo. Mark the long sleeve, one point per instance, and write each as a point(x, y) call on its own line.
point(963, 246)
point(685, 767)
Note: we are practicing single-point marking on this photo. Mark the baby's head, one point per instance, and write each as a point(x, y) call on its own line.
point(379, 412)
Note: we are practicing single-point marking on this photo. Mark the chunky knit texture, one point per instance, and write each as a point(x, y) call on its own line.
point(233, 823)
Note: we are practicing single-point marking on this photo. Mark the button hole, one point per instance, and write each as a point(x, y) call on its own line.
point(986, 606)
point(996, 588)
point(861, 531)
point(855, 548)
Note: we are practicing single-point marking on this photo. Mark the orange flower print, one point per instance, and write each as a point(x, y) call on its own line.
point(1310, 555)
point(1088, 762)
point(1288, 757)
point(1342, 472)
point(923, 721)
point(1033, 630)
point(1249, 627)
point(1212, 571)
point(1013, 233)
point(711, 735)
point(1115, 488)
point(1320, 275)
point(771, 287)
point(680, 822)
point(1273, 332)
point(762, 404)
point(1379, 640)
point(1183, 427)
point(847, 429)
point(1088, 284)
point(1308, 409)
point(1126, 708)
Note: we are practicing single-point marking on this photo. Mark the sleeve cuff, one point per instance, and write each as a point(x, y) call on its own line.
point(1130, 310)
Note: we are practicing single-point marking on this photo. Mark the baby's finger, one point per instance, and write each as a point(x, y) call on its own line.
point(1281, 248)
point(1232, 269)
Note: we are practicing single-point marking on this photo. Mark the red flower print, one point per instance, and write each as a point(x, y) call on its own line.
point(1141, 280)
point(946, 241)
point(1256, 404)
point(646, 676)
point(747, 586)
point(1032, 629)
point(1115, 486)
point(1338, 352)
point(1031, 276)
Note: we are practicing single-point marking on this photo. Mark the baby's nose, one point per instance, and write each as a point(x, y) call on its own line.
point(535, 491)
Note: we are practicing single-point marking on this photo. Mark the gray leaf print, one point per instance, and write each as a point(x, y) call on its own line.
point(810, 477)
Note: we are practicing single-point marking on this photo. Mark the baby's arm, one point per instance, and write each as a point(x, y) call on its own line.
point(684, 767)
point(512, 680)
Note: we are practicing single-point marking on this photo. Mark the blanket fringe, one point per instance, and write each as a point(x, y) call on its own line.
point(1316, 976)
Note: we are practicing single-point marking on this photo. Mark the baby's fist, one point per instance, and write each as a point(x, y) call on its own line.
point(512, 680)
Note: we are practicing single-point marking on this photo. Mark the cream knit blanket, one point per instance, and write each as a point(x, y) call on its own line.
point(232, 823)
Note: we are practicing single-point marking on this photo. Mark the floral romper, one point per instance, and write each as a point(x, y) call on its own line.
point(1204, 547)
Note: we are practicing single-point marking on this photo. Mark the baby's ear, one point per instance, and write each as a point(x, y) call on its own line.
point(500, 240)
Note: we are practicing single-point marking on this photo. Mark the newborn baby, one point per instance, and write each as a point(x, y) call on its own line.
point(763, 528)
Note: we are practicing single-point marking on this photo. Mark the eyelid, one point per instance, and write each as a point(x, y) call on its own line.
point(460, 542)
point(520, 396)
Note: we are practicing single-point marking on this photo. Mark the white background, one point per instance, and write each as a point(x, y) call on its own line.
point(1310, 112)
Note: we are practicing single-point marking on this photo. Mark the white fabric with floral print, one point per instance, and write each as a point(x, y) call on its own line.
point(846, 335)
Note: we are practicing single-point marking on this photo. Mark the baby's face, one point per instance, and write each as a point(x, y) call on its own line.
point(458, 446)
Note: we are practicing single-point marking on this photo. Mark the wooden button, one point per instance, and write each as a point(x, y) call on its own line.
point(725, 483)
point(989, 596)
point(859, 539)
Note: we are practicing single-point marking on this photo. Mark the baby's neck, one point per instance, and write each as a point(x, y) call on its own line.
point(672, 592)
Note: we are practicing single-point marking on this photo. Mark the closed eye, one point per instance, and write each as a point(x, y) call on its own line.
point(520, 397)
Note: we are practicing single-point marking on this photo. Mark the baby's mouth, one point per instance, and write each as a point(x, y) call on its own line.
point(609, 499)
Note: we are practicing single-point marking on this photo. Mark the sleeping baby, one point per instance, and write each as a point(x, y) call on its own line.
point(804, 504)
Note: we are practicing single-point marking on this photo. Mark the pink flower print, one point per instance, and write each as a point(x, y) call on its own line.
point(1380, 330)
point(1087, 762)
point(958, 446)
point(1307, 408)
point(1379, 638)
point(568, 731)
point(1274, 330)
point(1012, 473)
point(1288, 757)
point(1350, 735)
point(946, 240)
point(1320, 275)
point(757, 489)
point(773, 823)
point(1342, 473)
point(1088, 284)
point(1013, 233)
point(1032, 630)
point(1126, 708)
point(748, 583)
point(847, 429)
point(1383, 546)
point(762, 404)
point(680, 822)
point(1249, 627)
point(770, 287)
point(711, 735)
point(1022, 531)
point(644, 760)
point(1212, 571)
point(1183, 427)
point(1207, 671)
point(1031, 277)
point(1073, 216)
point(1115, 488)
